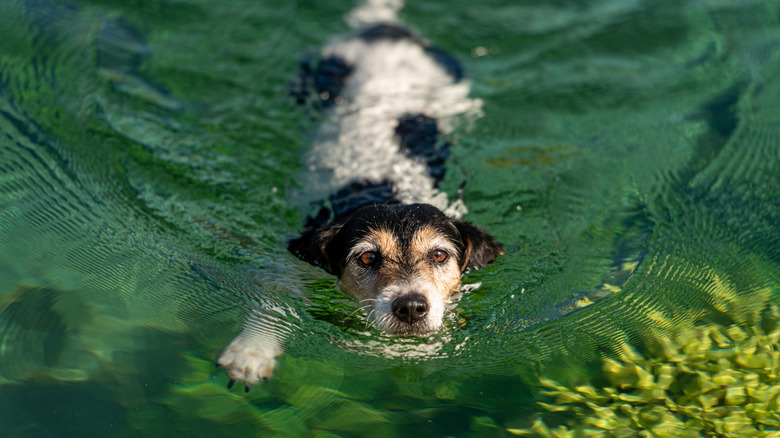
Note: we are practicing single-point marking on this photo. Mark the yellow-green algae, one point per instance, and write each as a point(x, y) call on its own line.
point(707, 380)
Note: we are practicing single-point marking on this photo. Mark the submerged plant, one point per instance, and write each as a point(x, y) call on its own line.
point(706, 380)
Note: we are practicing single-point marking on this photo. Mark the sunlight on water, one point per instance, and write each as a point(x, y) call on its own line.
point(626, 157)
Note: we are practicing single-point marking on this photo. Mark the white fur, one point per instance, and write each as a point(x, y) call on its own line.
point(382, 314)
point(374, 11)
point(251, 356)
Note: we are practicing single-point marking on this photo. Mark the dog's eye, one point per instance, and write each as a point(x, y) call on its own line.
point(438, 256)
point(368, 258)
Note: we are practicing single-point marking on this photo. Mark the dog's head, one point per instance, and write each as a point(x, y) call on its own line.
point(402, 263)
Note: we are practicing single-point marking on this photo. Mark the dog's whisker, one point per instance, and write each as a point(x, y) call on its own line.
point(353, 312)
point(368, 318)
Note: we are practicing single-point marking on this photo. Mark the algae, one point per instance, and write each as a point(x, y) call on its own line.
point(705, 380)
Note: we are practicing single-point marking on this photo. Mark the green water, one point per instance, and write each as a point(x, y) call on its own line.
point(628, 156)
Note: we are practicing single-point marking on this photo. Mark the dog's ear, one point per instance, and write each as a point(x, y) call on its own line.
point(479, 247)
point(312, 247)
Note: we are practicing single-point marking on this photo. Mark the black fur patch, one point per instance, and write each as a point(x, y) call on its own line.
point(418, 135)
point(327, 80)
point(447, 61)
point(386, 31)
point(359, 194)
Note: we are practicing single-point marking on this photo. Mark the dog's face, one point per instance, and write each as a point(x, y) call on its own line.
point(402, 263)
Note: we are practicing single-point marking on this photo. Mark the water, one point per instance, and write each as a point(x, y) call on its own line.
point(627, 159)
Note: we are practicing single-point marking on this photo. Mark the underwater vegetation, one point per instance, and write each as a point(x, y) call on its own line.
point(706, 380)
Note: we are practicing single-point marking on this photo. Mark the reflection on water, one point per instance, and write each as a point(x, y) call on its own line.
point(627, 159)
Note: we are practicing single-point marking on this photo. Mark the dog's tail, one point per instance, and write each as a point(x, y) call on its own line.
point(371, 12)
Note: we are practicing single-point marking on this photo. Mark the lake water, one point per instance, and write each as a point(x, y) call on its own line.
point(628, 159)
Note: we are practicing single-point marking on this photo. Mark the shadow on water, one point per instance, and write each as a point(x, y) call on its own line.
point(720, 115)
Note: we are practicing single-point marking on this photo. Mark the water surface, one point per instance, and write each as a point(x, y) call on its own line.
point(628, 160)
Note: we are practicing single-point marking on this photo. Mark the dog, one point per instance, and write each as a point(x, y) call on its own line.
point(394, 241)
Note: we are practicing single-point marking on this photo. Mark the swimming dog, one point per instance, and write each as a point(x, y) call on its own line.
point(396, 244)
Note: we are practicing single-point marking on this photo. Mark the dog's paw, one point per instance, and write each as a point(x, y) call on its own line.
point(247, 362)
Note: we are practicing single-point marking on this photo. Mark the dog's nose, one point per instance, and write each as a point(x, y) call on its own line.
point(410, 308)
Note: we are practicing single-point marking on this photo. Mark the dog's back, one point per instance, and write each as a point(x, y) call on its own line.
point(387, 97)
